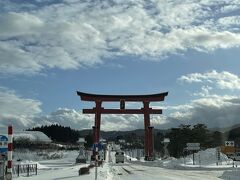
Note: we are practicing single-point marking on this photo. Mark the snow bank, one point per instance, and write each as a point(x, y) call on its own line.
point(27, 155)
point(208, 157)
point(130, 158)
point(205, 158)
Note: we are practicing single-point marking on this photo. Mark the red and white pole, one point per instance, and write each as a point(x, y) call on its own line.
point(10, 150)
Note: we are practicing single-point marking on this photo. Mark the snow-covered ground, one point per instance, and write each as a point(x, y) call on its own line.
point(206, 168)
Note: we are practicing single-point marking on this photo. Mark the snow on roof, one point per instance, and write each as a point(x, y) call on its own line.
point(32, 136)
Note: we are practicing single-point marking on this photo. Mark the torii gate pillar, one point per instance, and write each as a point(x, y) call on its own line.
point(146, 125)
point(97, 121)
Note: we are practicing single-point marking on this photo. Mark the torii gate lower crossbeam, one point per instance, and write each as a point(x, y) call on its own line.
point(146, 111)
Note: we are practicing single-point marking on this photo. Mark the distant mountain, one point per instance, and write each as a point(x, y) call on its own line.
point(225, 129)
point(114, 134)
point(233, 134)
point(140, 132)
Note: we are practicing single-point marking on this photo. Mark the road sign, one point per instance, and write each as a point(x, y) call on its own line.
point(166, 140)
point(193, 146)
point(3, 144)
point(3, 138)
point(97, 146)
point(229, 143)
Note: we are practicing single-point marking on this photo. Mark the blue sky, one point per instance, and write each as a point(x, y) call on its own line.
point(50, 50)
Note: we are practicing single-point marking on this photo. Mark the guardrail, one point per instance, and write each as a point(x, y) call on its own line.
point(29, 169)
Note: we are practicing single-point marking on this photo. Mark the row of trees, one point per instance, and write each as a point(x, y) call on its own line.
point(184, 134)
point(179, 137)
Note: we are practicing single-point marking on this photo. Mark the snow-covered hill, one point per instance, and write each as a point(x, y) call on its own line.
point(31, 136)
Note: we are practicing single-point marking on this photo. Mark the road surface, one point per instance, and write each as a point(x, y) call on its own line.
point(126, 171)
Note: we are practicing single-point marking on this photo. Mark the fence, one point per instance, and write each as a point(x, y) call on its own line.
point(29, 169)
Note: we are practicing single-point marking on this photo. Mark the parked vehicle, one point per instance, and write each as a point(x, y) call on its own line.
point(230, 155)
point(119, 156)
point(234, 156)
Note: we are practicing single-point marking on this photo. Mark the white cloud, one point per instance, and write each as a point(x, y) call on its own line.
point(13, 104)
point(15, 60)
point(17, 110)
point(229, 21)
point(205, 39)
point(19, 122)
point(214, 111)
point(223, 80)
point(17, 24)
point(205, 91)
point(71, 34)
point(24, 113)
point(230, 8)
point(77, 120)
point(69, 117)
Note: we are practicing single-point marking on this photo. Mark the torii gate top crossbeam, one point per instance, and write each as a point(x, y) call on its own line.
point(98, 97)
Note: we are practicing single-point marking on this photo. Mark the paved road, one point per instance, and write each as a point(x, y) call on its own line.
point(128, 171)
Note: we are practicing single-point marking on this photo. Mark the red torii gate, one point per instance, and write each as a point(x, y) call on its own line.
point(146, 111)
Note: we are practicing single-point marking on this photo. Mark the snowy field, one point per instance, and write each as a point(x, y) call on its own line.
point(64, 167)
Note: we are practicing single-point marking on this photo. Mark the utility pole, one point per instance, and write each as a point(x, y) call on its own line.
point(96, 162)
